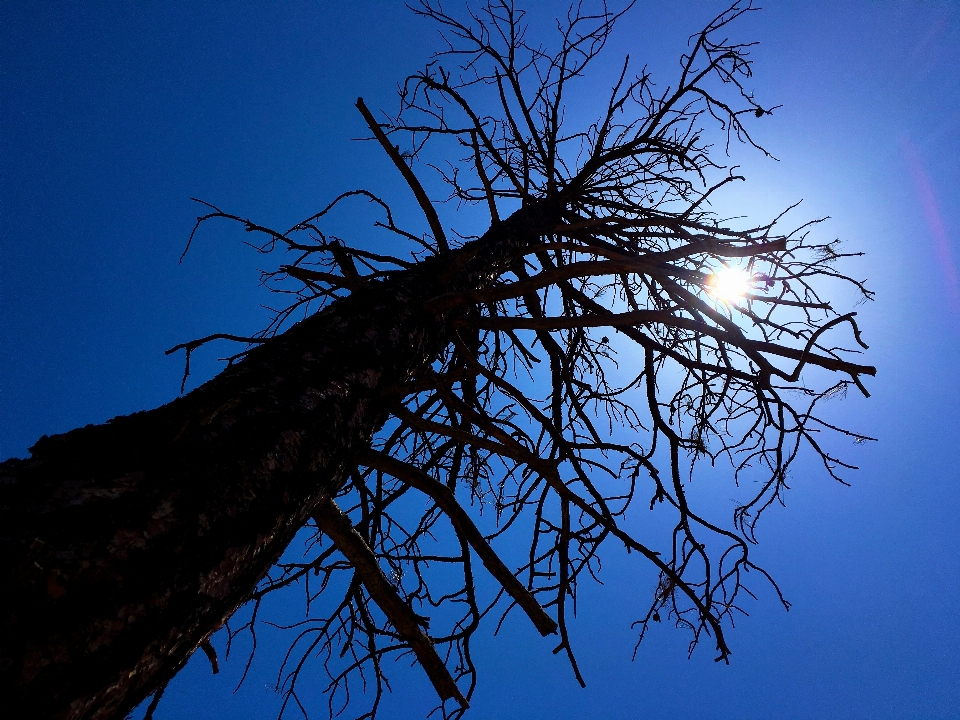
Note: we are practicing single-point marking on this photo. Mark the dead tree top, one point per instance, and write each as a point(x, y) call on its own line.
point(587, 366)
point(594, 366)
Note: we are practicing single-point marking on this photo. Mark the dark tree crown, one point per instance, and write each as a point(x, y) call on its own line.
point(592, 365)
point(502, 406)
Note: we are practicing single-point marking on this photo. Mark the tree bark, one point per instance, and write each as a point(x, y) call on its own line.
point(125, 545)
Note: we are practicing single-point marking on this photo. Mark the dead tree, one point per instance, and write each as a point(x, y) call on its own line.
point(578, 356)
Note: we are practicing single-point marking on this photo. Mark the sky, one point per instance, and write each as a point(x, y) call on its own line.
point(113, 115)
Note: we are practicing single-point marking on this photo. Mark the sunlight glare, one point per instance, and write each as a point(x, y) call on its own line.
point(729, 284)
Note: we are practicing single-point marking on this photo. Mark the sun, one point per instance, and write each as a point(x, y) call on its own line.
point(729, 284)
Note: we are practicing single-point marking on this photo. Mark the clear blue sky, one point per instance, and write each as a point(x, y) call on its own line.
point(113, 115)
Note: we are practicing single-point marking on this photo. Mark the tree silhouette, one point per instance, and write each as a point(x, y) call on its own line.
point(607, 334)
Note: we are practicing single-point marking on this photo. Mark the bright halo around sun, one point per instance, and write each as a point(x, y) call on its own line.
point(729, 284)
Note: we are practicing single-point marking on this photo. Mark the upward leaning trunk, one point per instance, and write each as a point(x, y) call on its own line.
point(123, 546)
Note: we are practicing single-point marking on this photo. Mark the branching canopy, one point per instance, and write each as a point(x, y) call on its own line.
point(585, 378)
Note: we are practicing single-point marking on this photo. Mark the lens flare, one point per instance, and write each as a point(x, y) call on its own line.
point(729, 284)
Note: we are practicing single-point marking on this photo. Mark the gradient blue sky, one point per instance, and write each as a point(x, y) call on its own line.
point(113, 115)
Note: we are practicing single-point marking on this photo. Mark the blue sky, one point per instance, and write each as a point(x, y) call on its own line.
point(113, 115)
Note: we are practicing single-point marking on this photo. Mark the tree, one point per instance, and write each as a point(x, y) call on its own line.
point(479, 371)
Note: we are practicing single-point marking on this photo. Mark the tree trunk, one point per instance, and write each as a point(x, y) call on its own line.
point(125, 545)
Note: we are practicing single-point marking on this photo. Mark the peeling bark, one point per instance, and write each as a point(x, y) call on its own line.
point(125, 545)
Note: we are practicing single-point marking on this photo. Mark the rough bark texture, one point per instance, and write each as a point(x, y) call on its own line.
point(125, 545)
